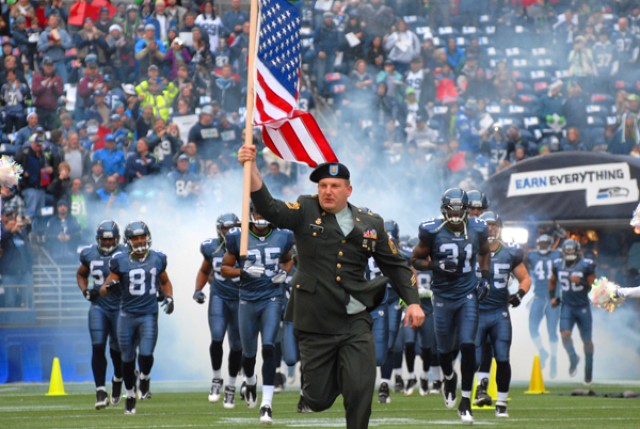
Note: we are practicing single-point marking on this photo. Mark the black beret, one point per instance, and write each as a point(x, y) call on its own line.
point(330, 169)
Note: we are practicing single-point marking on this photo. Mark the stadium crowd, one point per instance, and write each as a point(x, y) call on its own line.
point(142, 98)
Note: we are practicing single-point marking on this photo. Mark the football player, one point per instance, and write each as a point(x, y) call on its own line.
point(263, 272)
point(223, 310)
point(494, 323)
point(103, 312)
point(478, 203)
point(450, 247)
point(539, 264)
point(140, 274)
point(575, 275)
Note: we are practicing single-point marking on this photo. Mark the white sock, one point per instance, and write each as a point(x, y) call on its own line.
point(217, 373)
point(384, 380)
point(144, 376)
point(252, 381)
point(232, 382)
point(131, 393)
point(412, 375)
point(466, 394)
point(502, 398)
point(450, 376)
point(101, 388)
point(436, 372)
point(267, 396)
point(116, 379)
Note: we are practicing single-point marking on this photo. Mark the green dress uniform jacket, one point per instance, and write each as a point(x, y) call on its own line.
point(331, 267)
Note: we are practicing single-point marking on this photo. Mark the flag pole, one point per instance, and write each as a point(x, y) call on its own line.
point(248, 128)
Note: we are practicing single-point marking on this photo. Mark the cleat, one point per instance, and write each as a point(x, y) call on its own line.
point(266, 417)
point(410, 386)
point(216, 388)
point(464, 411)
point(554, 367)
point(130, 406)
point(436, 387)
point(251, 397)
point(280, 381)
point(573, 365)
point(229, 397)
point(243, 389)
point(501, 411)
point(424, 387)
point(383, 394)
point(482, 399)
point(449, 391)
point(102, 399)
point(543, 358)
point(144, 392)
point(303, 407)
point(399, 384)
point(116, 392)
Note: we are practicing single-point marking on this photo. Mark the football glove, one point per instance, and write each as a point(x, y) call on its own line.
point(482, 289)
point(91, 294)
point(445, 263)
point(167, 304)
point(516, 298)
point(199, 297)
point(424, 292)
point(252, 272)
point(112, 285)
point(279, 277)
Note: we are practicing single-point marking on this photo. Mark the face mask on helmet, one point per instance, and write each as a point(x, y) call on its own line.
point(107, 237)
point(225, 223)
point(134, 230)
point(454, 213)
point(495, 225)
point(260, 224)
point(137, 248)
point(543, 244)
point(570, 251)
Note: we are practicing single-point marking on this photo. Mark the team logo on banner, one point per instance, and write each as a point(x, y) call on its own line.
point(604, 184)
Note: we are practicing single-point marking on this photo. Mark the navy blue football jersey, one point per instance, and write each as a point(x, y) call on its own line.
point(213, 251)
point(503, 261)
point(98, 265)
point(424, 279)
point(456, 247)
point(264, 251)
point(574, 294)
point(139, 280)
point(540, 268)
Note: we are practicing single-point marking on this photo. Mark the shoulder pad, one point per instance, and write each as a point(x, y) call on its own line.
point(430, 225)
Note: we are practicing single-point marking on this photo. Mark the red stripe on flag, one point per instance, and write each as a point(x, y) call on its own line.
point(272, 97)
point(295, 145)
point(260, 108)
point(270, 144)
point(314, 130)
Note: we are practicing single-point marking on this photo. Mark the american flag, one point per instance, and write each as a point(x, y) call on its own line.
point(291, 134)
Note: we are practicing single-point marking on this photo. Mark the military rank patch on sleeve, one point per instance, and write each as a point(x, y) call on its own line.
point(414, 282)
point(392, 246)
point(293, 206)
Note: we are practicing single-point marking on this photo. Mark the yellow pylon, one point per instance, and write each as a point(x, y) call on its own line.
point(492, 389)
point(56, 386)
point(536, 385)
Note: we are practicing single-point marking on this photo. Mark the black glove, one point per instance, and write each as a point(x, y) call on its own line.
point(482, 289)
point(113, 284)
point(167, 304)
point(160, 296)
point(516, 298)
point(199, 297)
point(91, 294)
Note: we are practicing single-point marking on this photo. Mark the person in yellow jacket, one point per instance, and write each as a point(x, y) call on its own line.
point(155, 93)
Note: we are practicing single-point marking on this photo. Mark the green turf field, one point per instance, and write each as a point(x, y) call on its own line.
point(185, 406)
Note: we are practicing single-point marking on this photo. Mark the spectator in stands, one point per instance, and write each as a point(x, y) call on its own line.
point(455, 55)
point(205, 134)
point(211, 24)
point(95, 179)
point(47, 86)
point(11, 200)
point(14, 97)
point(196, 163)
point(121, 54)
point(185, 183)
point(90, 40)
point(627, 138)
point(36, 177)
point(439, 13)
point(581, 63)
point(627, 45)
point(99, 109)
point(177, 56)
point(606, 62)
point(149, 50)
point(162, 145)
point(574, 107)
point(234, 18)
point(572, 142)
point(468, 127)
point(402, 46)
point(505, 87)
point(227, 91)
point(53, 43)
point(551, 102)
point(15, 259)
point(326, 41)
point(112, 197)
point(175, 12)
point(60, 186)
point(141, 163)
point(162, 21)
point(62, 234)
point(67, 125)
point(76, 157)
point(112, 159)
point(275, 179)
point(104, 21)
point(24, 133)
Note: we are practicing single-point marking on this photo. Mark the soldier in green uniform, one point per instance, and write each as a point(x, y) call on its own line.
point(330, 296)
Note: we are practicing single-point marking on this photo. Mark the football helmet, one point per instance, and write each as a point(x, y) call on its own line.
point(136, 229)
point(226, 221)
point(544, 243)
point(455, 205)
point(477, 200)
point(570, 250)
point(492, 218)
point(392, 228)
point(107, 230)
point(259, 222)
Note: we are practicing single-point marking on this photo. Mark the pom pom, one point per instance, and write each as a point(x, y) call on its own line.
point(10, 171)
point(603, 294)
